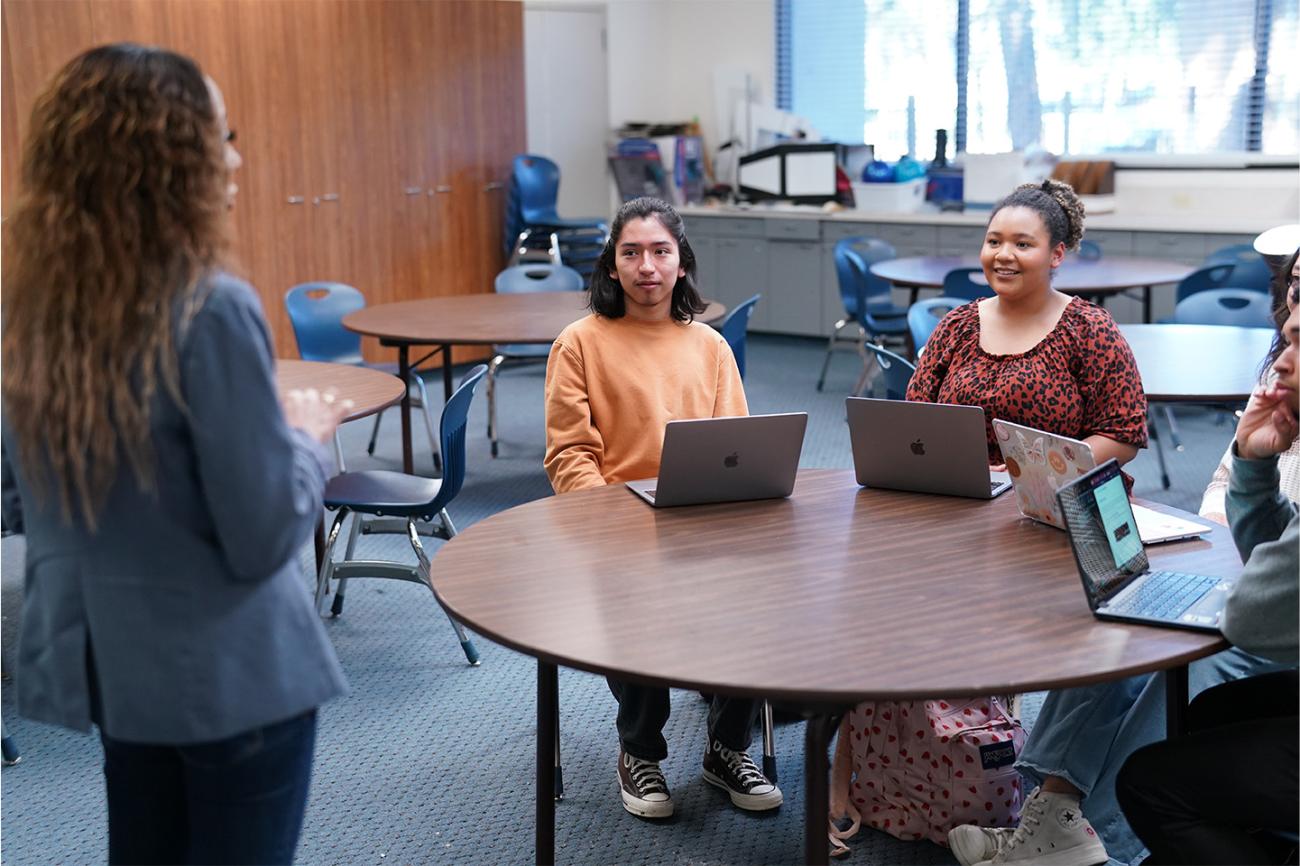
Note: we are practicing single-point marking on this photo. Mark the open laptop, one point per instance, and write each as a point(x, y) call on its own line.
point(1040, 462)
point(922, 447)
point(726, 460)
point(1113, 564)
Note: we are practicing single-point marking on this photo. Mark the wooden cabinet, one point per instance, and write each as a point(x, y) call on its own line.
point(376, 134)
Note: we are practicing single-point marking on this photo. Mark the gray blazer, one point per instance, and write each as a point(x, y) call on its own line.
point(185, 617)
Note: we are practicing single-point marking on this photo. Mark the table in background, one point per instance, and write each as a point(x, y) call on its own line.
point(471, 320)
point(370, 390)
point(1198, 363)
point(1097, 278)
point(844, 594)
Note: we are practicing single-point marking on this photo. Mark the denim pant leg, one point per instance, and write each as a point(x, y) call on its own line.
point(731, 721)
point(247, 794)
point(1084, 735)
point(642, 713)
point(147, 820)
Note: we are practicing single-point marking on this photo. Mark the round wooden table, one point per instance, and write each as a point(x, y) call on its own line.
point(370, 390)
point(1097, 278)
point(835, 596)
point(471, 320)
point(1198, 363)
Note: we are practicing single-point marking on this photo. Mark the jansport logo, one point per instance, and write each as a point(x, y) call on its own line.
point(918, 448)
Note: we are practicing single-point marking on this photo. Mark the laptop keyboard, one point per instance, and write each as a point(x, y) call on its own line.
point(650, 493)
point(1164, 594)
point(994, 485)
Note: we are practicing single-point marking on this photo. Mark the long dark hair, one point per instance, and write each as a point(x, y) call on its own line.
point(1281, 312)
point(607, 293)
point(121, 213)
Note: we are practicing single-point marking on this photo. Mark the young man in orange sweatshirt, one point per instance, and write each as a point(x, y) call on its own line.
point(613, 380)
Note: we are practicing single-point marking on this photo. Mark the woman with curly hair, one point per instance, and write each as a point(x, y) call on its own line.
point(163, 489)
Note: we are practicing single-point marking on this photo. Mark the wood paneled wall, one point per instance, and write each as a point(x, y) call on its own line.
point(376, 134)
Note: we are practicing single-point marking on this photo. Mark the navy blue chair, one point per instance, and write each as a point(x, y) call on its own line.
point(532, 218)
point(866, 299)
point(316, 312)
point(1242, 307)
point(1204, 279)
point(537, 277)
point(734, 328)
point(1250, 270)
point(923, 317)
point(968, 283)
point(896, 370)
point(1089, 251)
point(382, 493)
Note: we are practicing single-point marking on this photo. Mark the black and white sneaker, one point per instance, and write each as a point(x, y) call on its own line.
point(645, 793)
point(736, 773)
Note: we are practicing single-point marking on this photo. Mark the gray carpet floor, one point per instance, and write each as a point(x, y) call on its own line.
point(428, 759)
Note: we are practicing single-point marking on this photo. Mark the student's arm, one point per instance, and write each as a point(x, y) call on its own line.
point(730, 398)
point(1104, 448)
point(1213, 504)
point(1114, 404)
point(574, 447)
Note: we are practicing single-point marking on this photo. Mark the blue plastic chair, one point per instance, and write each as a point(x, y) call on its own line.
point(896, 369)
point(1204, 279)
point(1232, 306)
point(1250, 270)
point(1089, 251)
point(734, 328)
point(316, 312)
point(532, 218)
point(382, 493)
point(923, 317)
point(966, 283)
point(865, 296)
point(537, 277)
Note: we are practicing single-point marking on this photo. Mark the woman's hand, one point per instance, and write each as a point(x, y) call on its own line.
point(1268, 426)
point(315, 413)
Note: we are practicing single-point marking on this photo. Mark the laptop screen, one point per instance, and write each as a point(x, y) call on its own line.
point(1102, 531)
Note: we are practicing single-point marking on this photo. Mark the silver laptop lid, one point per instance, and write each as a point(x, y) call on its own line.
point(921, 447)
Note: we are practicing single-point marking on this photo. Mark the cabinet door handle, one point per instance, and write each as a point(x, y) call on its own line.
point(442, 188)
point(413, 190)
point(330, 196)
point(493, 186)
point(296, 199)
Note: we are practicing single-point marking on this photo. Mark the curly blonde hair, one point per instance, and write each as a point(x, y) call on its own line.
point(121, 215)
point(1056, 203)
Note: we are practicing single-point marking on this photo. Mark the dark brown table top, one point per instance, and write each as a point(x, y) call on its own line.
point(371, 390)
point(1198, 363)
point(1108, 275)
point(532, 317)
point(838, 594)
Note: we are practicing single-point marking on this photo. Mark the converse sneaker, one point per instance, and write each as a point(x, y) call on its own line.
point(645, 793)
point(735, 773)
point(971, 844)
point(1052, 832)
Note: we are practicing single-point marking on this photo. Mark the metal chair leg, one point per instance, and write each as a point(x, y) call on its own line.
point(830, 349)
point(493, 366)
point(1153, 433)
point(769, 744)
point(868, 367)
point(374, 434)
point(559, 766)
point(429, 424)
point(1174, 438)
point(336, 607)
point(338, 452)
point(412, 534)
point(327, 559)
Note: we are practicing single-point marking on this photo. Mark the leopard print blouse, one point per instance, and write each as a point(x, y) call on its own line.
point(1079, 380)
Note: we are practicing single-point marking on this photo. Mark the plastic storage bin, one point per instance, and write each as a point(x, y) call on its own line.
point(905, 197)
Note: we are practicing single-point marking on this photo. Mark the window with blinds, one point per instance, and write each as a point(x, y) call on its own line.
point(1071, 76)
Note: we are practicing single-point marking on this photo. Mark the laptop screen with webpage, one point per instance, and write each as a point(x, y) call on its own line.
point(1102, 531)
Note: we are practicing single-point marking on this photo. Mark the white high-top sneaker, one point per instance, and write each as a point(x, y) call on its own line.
point(1052, 832)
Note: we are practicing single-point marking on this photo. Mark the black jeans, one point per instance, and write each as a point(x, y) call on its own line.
point(1198, 799)
point(643, 711)
point(237, 801)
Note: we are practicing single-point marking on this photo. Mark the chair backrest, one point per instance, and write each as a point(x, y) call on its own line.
point(1250, 270)
point(316, 311)
point(898, 371)
point(1232, 306)
point(735, 326)
point(1203, 279)
point(858, 286)
point(537, 180)
point(455, 419)
point(1089, 251)
point(923, 317)
point(966, 283)
point(538, 277)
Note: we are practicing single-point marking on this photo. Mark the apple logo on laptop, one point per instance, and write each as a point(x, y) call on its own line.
point(918, 448)
point(732, 460)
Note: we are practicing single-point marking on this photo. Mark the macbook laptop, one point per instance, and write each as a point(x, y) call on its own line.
point(1040, 462)
point(726, 460)
point(922, 447)
point(1113, 564)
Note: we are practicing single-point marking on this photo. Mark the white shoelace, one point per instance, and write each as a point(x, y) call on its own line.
point(742, 766)
point(1030, 818)
point(647, 776)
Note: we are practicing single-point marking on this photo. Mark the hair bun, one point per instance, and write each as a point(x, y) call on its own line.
point(1064, 195)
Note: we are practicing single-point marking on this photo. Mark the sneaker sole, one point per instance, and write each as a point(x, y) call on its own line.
point(964, 853)
point(748, 802)
point(1094, 853)
point(644, 808)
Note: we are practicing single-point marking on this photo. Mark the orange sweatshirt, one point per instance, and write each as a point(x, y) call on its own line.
point(612, 385)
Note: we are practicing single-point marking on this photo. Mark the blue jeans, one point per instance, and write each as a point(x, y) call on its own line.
point(1084, 735)
point(237, 801)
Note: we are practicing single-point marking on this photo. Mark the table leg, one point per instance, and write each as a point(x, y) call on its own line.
point(1176, 702)
point(319, 544)
point(817, 806)
point(1146, 304)
point(548, 700)
point(404, 373)
point(446, 372)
